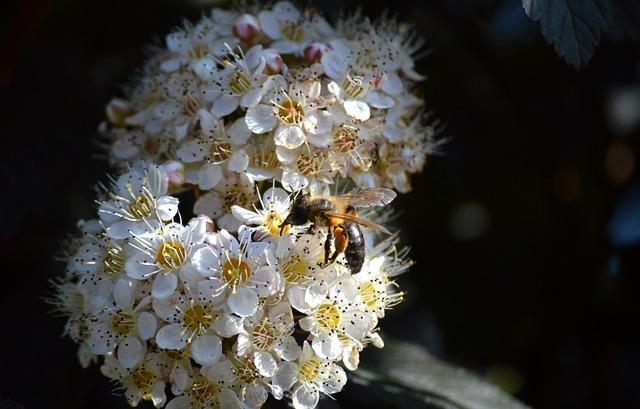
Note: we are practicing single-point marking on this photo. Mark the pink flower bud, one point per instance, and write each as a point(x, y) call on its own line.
point(175, 171)
point(246, 27)
point(313, 52)
point(274, 61)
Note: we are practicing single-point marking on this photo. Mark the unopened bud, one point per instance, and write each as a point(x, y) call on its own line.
point(313, 52)
point(175, 171)
point(246, 27)
point(273, 60)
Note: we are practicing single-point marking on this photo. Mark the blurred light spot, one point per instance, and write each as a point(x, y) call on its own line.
point(507, 378)
point(619, 163)
point(623, 110)
point(613, 267)
point(510, 25)
point(469, 220)
point(624, 226)
point(566, 185)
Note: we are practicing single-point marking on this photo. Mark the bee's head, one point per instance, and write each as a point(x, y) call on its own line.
point(298, 214)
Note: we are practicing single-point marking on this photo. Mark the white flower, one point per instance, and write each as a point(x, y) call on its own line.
point(267, 337)
point(275, 203)
point(234, 189)
point(204, 393)
point(293, 113)
point(138, 203)
point(338, 315)
point(165, 255)
point(122, 326)
point(239, 270)
point(309, 377)
point(144, 381)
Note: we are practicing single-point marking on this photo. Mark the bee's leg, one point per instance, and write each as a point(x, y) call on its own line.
point(327, 246)
point(340, 241)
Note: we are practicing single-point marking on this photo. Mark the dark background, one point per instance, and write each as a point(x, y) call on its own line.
point(525, 232)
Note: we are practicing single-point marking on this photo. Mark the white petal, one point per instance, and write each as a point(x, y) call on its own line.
point(267, 281)
point(379, 100)
point(238, 161)
point(129, 352)
point(337, 379)
point(255, 395)
point(289, 136)
point(119, 230)
point(179, 402)
point(229, 400)
point(269, 24)
point(164, 285)
point(206, 349)
point(357, 109)
point(171, 337)
point(205, 260)
point(285, 155)
point(244, 302)
point(167, 207)
point(123, 293)
point(327, 346)
point(191, 151)
point(238, 132)
point(225, 105)
point(209, 176)
point(391, 84)
point(228, 326)
point(319, 140)
point(140, 266)
point(318, 122)
point(286, 375)
point(260, 119)
point(264, 362)
point(246, 216)
point(147, 325)
point(251, 98)
point(334, 64)
point(204, 68)
point(305, 398)
point(288, 349)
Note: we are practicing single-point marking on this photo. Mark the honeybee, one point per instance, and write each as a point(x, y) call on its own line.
point(338, 214)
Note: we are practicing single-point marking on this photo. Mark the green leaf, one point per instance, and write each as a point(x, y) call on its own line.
point(574, 27)
point(410, 377)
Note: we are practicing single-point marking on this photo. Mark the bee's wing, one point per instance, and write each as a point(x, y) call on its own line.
point(356, 219)
point(377, 196)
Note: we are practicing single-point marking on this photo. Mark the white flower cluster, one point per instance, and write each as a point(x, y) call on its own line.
point(224, 320)
point(246, 109)
point(278, 93)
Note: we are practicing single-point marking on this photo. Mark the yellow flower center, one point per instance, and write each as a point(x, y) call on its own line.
point(141, 207)
point(203, 391)
point(345, 139)
point(327, 316)
point(123, 323)
point(311, 370)
point(309, 165)
point(197, 319)
point(369, 295)
point(236, 271)
point(113, 261)
point(263, 335)
point(355, 87)
point(143, 378)
point(171, 255)
point(239, 82)
point(293, 32)
point(272, 222)
point(294, 269)
point(235, 196)
point(220, 151)
point(246, 371)
point(290, 112)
